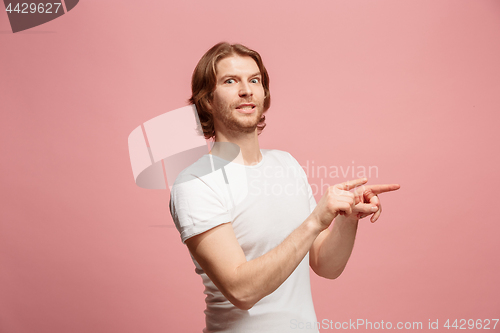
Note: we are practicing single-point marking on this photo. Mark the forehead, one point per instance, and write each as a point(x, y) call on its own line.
point(236, 64)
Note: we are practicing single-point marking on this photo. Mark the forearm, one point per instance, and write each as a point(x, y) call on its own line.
point(261, 276)
point(330, 257)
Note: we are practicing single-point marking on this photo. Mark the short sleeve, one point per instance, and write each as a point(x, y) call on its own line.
point(196, 206)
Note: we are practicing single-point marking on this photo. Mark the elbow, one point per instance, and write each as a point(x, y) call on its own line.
point(242, 293)
point(241, 300)
point(330, 274)
point(243, 305)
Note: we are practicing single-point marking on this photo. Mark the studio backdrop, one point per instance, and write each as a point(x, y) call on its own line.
point(403, 92)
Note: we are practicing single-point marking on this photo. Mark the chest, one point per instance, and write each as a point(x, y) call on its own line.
point(267, 208)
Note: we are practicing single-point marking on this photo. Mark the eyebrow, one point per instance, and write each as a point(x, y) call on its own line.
point(234, 75)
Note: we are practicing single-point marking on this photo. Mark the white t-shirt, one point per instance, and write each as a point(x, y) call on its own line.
point(265, 203)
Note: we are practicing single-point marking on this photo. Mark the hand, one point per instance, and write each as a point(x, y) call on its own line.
point(338, 200)
point(368, 194)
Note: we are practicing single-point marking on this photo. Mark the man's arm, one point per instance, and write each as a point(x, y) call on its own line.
point(332, 248)
point(244, 282)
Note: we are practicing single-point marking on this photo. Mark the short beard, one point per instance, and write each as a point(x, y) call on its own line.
point(224, 114)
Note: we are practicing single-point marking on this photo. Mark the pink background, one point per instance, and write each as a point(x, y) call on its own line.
point(412, 87)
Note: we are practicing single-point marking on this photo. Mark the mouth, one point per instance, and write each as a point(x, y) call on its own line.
point(246, 108)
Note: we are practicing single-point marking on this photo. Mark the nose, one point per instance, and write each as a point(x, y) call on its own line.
point(245, 90)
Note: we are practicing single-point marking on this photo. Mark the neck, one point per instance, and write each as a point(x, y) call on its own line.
point(248, 143)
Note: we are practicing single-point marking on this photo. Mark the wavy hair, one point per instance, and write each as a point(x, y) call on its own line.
point(204, 80)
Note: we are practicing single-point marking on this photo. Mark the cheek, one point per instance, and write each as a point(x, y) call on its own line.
point(216, 101)
point(262, 92)
point(222, 97)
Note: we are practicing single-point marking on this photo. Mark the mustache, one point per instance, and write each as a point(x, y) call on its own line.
point(256, 103)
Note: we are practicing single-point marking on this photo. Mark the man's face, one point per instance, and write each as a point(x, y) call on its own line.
point(238, 99)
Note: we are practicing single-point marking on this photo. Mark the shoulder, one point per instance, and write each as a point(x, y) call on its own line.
point(198, 200)
point(200, 178)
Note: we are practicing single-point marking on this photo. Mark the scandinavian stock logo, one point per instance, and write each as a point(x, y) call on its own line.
point(25, 15)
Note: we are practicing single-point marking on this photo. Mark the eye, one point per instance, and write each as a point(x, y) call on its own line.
point(255, 80)
point(230, 81)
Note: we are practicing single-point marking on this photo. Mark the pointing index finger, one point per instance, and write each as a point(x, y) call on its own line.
point(377, 189)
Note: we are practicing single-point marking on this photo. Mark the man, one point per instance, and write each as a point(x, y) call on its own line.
point(248, 215)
